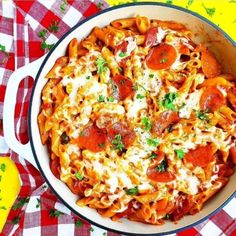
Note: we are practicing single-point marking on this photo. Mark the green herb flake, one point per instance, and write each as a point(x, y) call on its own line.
point(101, 145)
point(100, 5)
point(151, 76)
point(55, 213)
point(91, 229)
point(2, 48)
point(88, 77)
point(63, 6)
point(153, 156)
point(101, 98)
point(42, 34)
point(168, 101)
point(162, 167)
point(79, 176)
point(64, 138)
point(202, 115)
point(190, 2)
point(153, 142)
point(104, 233)
point(101, 65)
point(110, 99)
point(0, 178)
point(169, 1)
point(44, 45)
point(132, 191)
point(123, 54)
point(140, 96)
point(3, 167)
point(210, 11)
point(163, 60)
point(167, 217)
point(16, 220)
point(78, 223)
point(3, 208)
point(117, 142)
point(53, 27)
point(146, 122)
point(179, 153)
point(21, 202)
point(38, 203)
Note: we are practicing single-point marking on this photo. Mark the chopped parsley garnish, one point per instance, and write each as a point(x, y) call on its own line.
point(79, 176)
point(101, 65)
point(162, 167)
point(3, 167)
point(132, 191)
point(151, 76)
point(44, 45)
point(117, 142)
point(110, 99)
point(167, 217)
point(55, 213)
point(63, 6)
point(42, 34)
point(168, 101)
point(2, 48)
point(100, 5)
point(179, 153)
point(3, 208)
point(123, 54)
point(202, 115)
point(153, 156)
point(169, 128)
point(78, 223)
point(91, 229)
point(21, 202)
point(190, 2)
point(209, 11)
point(101, 145)
point(87, 77)
point(169, 1)
point(163, 60)
point(140, 96)
point(53, 27)
point(38, 203)
point(16, 220)
point(153, 142)
point(101, 98)
point(64, 138)
point(146, 122)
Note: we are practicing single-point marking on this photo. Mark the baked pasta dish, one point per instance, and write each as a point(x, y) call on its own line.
point(140, 121)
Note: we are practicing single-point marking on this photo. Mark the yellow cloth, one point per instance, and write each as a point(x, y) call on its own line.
point(9, 186)
point(220, 12)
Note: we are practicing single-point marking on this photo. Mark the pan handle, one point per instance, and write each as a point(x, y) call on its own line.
point(24, 150)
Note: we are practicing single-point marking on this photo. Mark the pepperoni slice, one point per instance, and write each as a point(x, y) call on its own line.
point(210, 66)
point(162, 177)
point(92, 138)
point(124, 87)
point(161, 57)
point(127, 135)
point(212, 99)
point(55, 166)
point(165, 119)
point(201, 156)
point(151, 37)
point(232, 153)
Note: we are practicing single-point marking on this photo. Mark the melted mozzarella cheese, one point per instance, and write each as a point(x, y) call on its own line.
point(186, 182)
point(191, 103)
point(135, 106)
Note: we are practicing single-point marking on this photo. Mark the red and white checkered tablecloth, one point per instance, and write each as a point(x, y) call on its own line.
point(20, 24)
